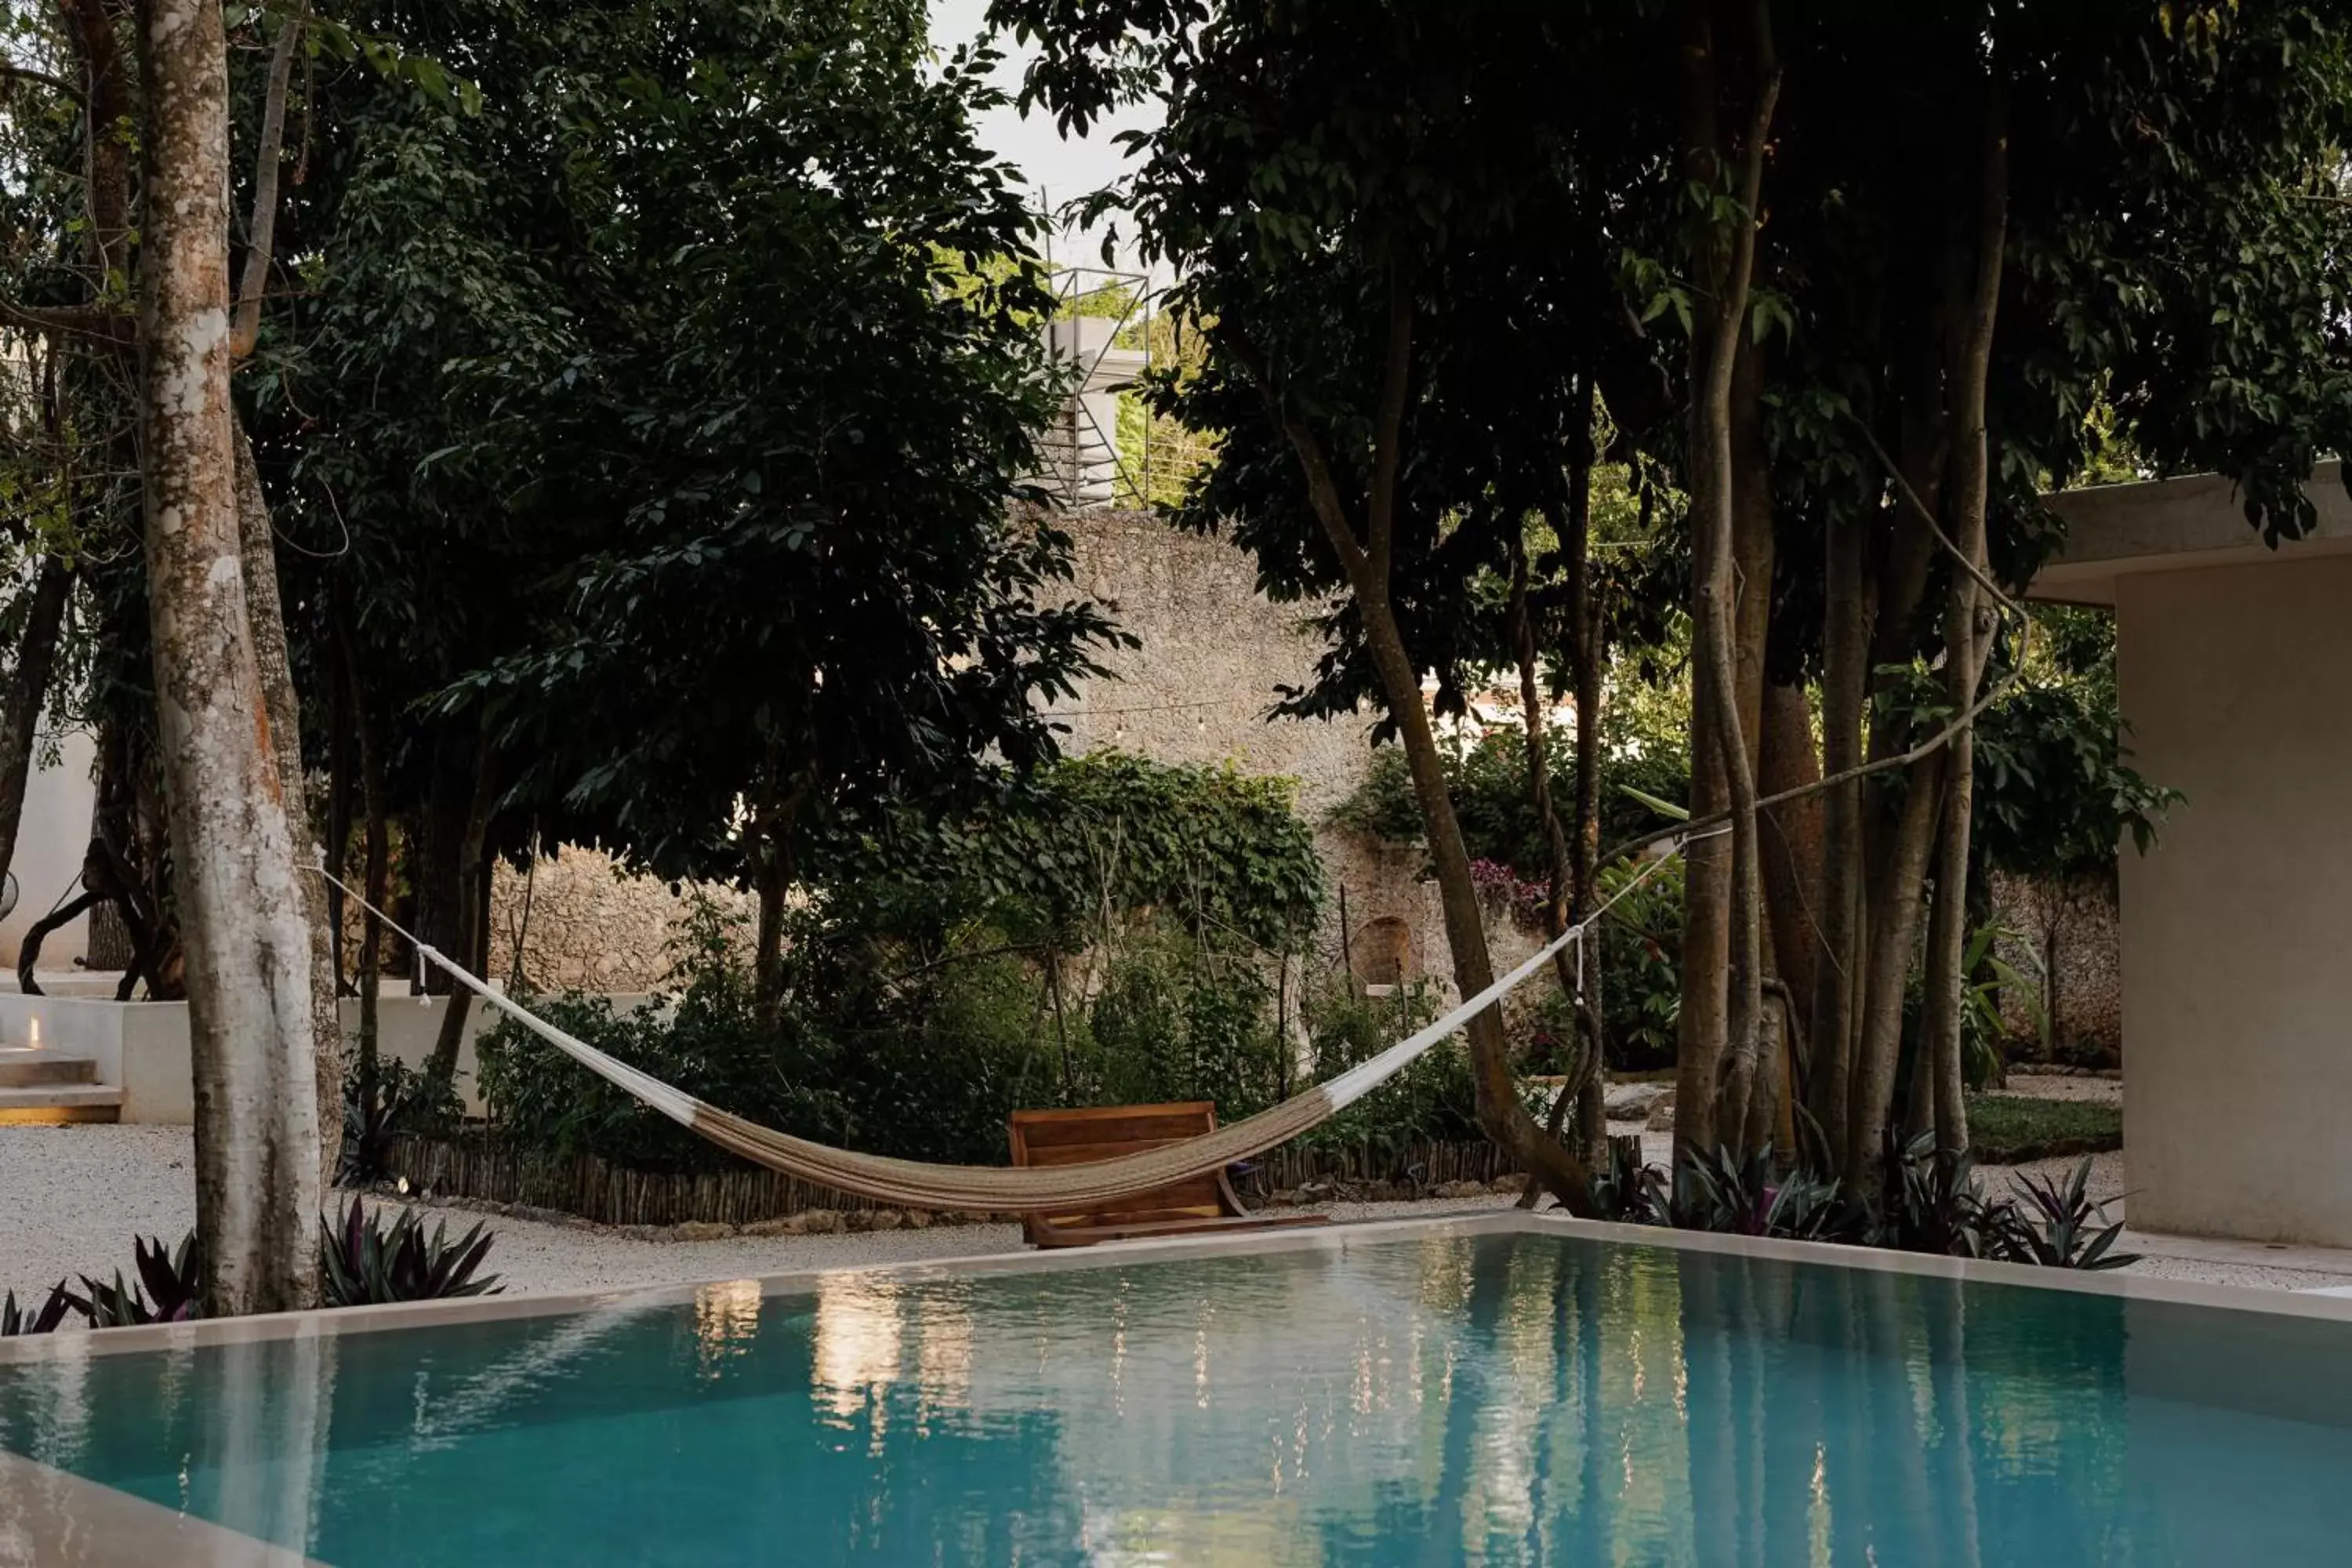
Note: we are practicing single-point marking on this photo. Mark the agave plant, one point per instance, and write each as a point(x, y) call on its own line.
point(1755, 1196)
point(169, 1287)
point(43, 1319)
point(1935, 1201)
point(362, 1263)
point(2058, 1227)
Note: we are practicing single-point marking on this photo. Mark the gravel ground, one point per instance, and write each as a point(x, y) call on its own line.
point(71, 1198)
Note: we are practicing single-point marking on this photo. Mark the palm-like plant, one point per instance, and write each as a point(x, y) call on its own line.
point(362, 1263)
point(43, 1320)
point(2058, 1227)
point(168, 1289)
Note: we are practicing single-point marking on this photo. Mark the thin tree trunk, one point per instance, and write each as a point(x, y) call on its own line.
point(107, 153)
point(28, 692)
point(473, 869)
point(340, 786)
point(1792, 881)
point(1588, 653)
point(1366, 558)
point(241, 899)
point(1845, 642)
point(1968, 634)
point(1558, 863)
point(1732, 876)
point(258, 541)
point(1892, 945)
point(245, 330)
point(1749, 1107)
point(375, 888)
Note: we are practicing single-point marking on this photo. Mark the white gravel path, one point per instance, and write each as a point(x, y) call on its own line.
point(71, 1199)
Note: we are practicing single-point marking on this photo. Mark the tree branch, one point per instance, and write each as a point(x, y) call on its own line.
point(1396, 376)
point(261, 231)
point(111, 326)
point(14, 73)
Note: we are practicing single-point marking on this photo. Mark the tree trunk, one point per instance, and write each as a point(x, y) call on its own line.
point(1366, 559)
point(374, 887)
point(1725, 881)
point(472, 938)
point(1748, 1109)
point(1894, 943)
point(241, 898)
point(1968, 634)
point(1588, 655)
point(109, 152)
point(772, 871)
point(1583, 1068)
point(1500, 1110)
point(1792, 834)
point(28, 690)
point(258, 541)
point(1845, 642)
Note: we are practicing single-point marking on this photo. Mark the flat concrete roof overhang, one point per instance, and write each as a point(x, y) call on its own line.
point(2170, 525)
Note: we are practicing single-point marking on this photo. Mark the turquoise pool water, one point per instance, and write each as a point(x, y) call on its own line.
point(1438, 1399)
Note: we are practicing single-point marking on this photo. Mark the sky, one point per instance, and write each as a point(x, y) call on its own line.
point(1063, 169)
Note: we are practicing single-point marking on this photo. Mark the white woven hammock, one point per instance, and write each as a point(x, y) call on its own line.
point(915, 1184)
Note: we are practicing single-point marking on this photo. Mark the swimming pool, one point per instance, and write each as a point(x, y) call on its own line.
point(1502, 1389)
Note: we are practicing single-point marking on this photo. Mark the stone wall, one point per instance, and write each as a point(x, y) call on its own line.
point(2070, 928)
point(585, 927)
point(1214, 654)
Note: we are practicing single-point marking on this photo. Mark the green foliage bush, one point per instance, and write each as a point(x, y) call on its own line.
point(930, 1065)
point(1488, 779)
point(1113, 931)
point(1434, 1099)
point(1087, 841)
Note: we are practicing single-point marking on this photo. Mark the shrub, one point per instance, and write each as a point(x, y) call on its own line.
point(1488, 779)
point(1932, 1201)
point(1434, 1099)
point(2058, 1227)
point(407, 1102)
point(361, 1264)
point(170, 1286)
point(43, 1320)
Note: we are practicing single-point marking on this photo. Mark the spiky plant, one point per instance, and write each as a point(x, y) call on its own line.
point(43, 1320)
point(362, 1263)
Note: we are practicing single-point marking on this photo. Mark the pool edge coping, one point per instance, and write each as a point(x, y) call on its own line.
point(32, 1350)
point(74, 1523)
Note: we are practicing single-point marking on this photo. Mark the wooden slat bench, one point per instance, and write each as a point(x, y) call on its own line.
point(1191, 1207)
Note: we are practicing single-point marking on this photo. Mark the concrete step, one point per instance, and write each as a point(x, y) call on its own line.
point(50, 1104)
point(22, 1068)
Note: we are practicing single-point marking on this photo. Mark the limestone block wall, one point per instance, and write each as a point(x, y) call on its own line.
point(2067, 934)
point(583, 926)
point(1214, 656)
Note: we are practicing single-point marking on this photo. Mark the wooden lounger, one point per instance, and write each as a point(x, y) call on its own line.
point(1191, 1207)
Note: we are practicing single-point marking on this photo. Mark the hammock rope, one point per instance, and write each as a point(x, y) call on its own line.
point(915, 1184)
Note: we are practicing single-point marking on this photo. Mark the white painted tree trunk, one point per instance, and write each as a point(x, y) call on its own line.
point(241, 901)
point(284, 706)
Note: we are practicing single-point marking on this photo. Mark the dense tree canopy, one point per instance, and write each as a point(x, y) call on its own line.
point(1860, 288)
